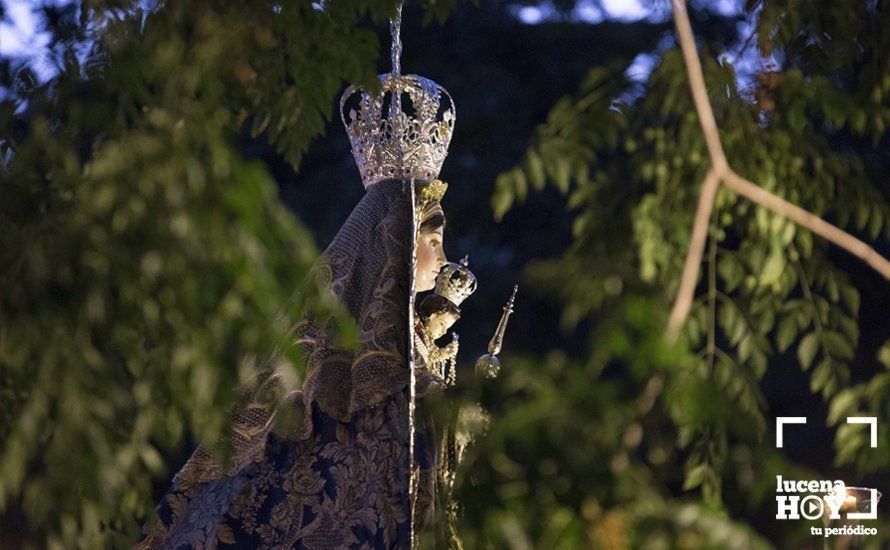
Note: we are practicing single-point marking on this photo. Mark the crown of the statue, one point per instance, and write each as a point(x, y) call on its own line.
point(455, 282)
point(402, 131)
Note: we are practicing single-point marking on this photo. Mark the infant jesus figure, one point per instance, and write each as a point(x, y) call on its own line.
point(437, 313)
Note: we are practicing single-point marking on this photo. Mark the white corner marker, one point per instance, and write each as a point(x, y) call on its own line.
point(780, 423)
point(871, 421)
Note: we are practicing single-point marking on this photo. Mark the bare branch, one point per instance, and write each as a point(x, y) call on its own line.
point(807, 219)
point(686, 293)
point(722, 173)
point(699, 90)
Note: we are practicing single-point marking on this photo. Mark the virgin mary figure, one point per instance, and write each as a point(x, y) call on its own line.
point(356, 472)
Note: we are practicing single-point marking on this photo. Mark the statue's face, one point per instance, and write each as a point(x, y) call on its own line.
point(430, 258)
point(439, 323)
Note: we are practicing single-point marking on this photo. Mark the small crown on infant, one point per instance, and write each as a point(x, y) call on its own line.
point(455, 282)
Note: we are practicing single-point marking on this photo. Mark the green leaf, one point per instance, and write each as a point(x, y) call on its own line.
point(843, 404)
point(786, 333)
point(562, 174)
point(851, 297)
point(731, 272)
point(773, 267)
point(806, 350)
point(821, 377)
point(534, 168)
point(503, 196)
point(520, 184)
point(695, 476)
point(837, 345)
point(805, 240)
point(876, 221)
point(862, 210)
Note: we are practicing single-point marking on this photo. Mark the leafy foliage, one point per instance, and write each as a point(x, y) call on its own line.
point(768, 287)
point(148, 258)
point(569, 438)
point(853, 442)
point(148, 266)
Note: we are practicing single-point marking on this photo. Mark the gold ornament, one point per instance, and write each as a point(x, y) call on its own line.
point(432, 191)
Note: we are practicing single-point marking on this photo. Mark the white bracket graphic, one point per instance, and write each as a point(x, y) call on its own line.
point(871, 421)
point(873, 508)
point(780, 423)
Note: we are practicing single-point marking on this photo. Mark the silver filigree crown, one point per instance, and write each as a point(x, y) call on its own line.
point(402, 131)
point(455, 282)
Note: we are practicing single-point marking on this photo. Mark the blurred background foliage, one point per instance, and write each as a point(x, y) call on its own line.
point(145, 259)
point(149, 249)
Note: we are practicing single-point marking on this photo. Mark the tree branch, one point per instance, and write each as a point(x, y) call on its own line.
point(686, 293)
point(804, 218)
point(699, 90)
point(722, 173)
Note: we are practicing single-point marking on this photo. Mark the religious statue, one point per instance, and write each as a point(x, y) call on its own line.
point(361, 466)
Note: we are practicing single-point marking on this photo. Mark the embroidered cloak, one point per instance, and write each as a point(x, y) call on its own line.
point(340, 480)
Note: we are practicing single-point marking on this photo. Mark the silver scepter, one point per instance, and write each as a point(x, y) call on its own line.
point(488, 365)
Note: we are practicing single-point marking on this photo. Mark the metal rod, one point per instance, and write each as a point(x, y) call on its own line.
point(494, 346)
point(412, 487)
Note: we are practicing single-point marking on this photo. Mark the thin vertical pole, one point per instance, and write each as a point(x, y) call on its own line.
point(395, 111)
point(412, 485)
